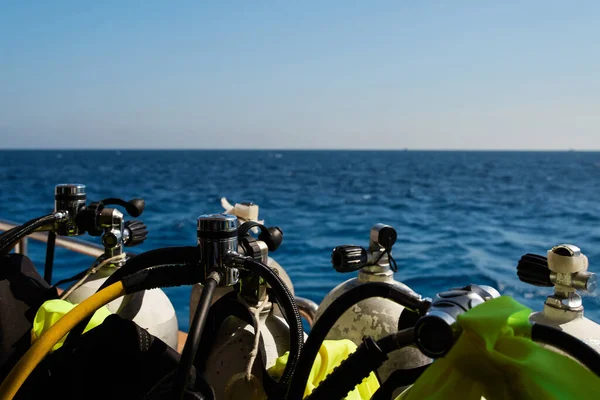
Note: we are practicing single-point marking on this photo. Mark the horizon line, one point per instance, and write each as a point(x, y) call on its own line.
point(292, 149)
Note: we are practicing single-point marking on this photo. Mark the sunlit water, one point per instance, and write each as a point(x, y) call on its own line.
point(462, 217)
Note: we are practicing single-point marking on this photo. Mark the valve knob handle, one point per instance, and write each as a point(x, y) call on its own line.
point(273, 237)
point(138, 232)
point(533, 269)
point(134, 207)
point(348, 258)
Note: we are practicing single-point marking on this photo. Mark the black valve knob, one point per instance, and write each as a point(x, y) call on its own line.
point(533, 269)
point(273, 237)
point(135, 207)
point(348, 258)
point(383, 235)
point(137, 233)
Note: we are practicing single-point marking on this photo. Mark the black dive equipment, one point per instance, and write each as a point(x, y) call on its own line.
point(73, 217)
point(434, 334)
point(222, 259)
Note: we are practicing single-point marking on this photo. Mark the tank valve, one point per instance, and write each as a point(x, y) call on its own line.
point(565, 268)
point(96, 220)
point(252, 288)
point(350, 258)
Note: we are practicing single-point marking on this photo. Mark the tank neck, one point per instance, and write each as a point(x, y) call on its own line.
point(376, 273)
point(561, 315)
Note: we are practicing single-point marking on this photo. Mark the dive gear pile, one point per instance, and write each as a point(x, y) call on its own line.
point(373, 337)
point(73, 216)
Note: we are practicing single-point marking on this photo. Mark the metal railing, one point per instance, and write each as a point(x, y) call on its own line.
point(307, 308)
point(72, 244)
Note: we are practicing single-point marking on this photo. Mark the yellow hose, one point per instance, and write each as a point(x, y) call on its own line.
point(44, 344)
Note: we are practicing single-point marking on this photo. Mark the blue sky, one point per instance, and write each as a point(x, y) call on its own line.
point(333, 74)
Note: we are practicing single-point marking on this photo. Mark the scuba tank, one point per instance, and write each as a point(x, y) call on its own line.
point(232, 364)
point(216, 260)
point(484, 345)
point(376, 317)
point(565, 269)
point(433, 334)
point(245, 211)
point(152, 309)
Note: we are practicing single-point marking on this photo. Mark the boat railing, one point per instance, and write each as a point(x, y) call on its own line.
point(307, 308)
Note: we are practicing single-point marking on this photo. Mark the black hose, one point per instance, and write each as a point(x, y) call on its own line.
point(330, 316)
point(397, 379)
point(186, 255)
point(10, 238)
point(567, 343)
point(193, 340)
point(9, 232)
point(288, 306)
point(160, 277)
point(397, 340)
point(50, 247)
point(368, 357)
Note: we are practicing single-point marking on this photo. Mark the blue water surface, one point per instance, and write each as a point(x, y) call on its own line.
point(462, 217)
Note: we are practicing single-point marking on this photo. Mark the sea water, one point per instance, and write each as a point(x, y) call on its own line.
point(461, 217)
